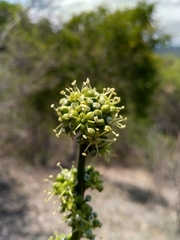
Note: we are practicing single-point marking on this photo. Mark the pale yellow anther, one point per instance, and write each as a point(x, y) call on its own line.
point(74, 82)
point(67, 89)
point(62, 92)
point(95, 118)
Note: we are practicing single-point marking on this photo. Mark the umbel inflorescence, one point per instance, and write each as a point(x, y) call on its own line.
point(89, 116)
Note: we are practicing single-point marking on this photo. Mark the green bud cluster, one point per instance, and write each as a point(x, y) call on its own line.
point(89, 117)
point(92, 179)
point(76, 209)
point(58, 236)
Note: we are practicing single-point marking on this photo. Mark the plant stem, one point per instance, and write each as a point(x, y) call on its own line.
point(80, 188)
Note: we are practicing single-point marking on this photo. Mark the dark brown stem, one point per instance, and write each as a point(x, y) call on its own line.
point(80, 188)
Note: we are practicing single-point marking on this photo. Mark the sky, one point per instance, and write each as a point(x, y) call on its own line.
point(167, 12)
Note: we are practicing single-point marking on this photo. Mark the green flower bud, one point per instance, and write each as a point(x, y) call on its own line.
point(88, 198)
point(99, 187)
point(86, 177)
point(105, 108)
point(96, 223)
point(101, 100)
point(98, 113)
point(65, 172)
point(66, 185)
point(79, 199)
point(72, 181)
point(57, 186)
point(113, 109)
point(90, 132)
point(63, 109)
point(89, 102)
point(90, 93)
point(71, 207)
point(96, 105)
point(100, 122)
point(89, 116)
point(59, 177)
point(107, 129)
point(64, 238)
point(91, 124)
point(70, 223)
point(64, 102)
point(83, 103)
point(85, 89)
point(74, 96)
point(81, 226)
point(86, 208)
point(73, 113)
point(95, 214)
point(78, 217)
point(91, 217)
point(96, 174)
point(62, 209)
point(74, 171)
point(109, 120)
point(88, 233)
point(83, 128)
point(75, 122)
point(78, 108)
point(90, 168)
point(65, 117)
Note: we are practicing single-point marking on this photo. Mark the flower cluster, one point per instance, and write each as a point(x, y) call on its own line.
point(89, 116)
point(76, 209)
point(92, 179)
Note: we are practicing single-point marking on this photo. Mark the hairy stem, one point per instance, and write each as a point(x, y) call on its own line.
point(80, 188)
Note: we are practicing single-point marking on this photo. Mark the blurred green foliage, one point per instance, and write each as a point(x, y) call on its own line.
point(115, 49)
point(167, 117)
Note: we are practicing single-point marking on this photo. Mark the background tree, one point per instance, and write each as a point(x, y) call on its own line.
point(118, 48)
point(111, 48)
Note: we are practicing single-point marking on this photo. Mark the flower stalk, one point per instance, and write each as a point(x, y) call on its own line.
point(89, 117)
point(80, 187)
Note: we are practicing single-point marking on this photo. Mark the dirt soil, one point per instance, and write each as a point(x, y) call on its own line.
point(131, 207)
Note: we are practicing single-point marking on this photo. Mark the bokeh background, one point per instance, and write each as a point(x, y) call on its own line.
point(130, 45)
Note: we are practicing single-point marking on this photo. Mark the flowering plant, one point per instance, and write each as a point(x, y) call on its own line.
point(89, 118)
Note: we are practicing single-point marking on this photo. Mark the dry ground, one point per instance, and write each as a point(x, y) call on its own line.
point(131, 206)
